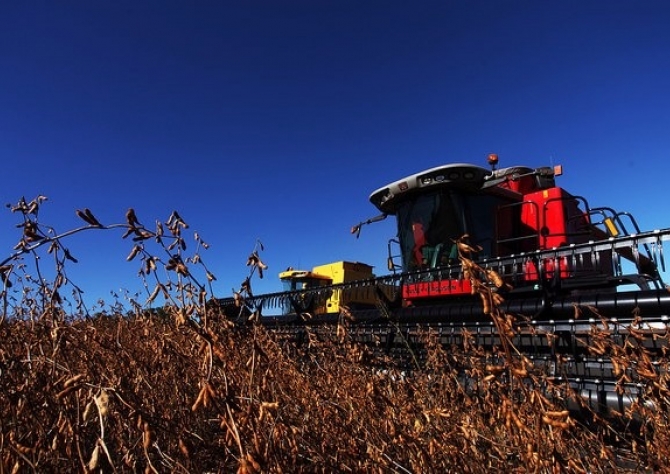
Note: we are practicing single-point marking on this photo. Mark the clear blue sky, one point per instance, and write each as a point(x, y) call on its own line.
point(275, 120)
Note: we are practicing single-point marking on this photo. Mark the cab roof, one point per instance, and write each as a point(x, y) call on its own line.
point(455, 175)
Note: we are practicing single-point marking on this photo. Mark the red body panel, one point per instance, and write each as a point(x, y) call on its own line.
point(545, 212)
point(550, 269)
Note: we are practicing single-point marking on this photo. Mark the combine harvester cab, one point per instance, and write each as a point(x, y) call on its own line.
point(535, 234)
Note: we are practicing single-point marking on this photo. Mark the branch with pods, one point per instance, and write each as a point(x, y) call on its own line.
point(490, 286)
point(244, 294)
point(165, 270)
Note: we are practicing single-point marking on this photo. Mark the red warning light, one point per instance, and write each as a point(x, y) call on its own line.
point(493, 160)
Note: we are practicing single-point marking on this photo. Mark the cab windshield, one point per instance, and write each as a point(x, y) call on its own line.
point(304, 283)
point(429, 224)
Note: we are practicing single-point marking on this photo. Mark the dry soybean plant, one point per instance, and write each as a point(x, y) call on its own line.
point(33, 289)
point(200, 393)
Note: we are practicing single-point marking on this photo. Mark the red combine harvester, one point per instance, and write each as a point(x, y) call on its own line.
point(554, 252)
point(514, 216)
